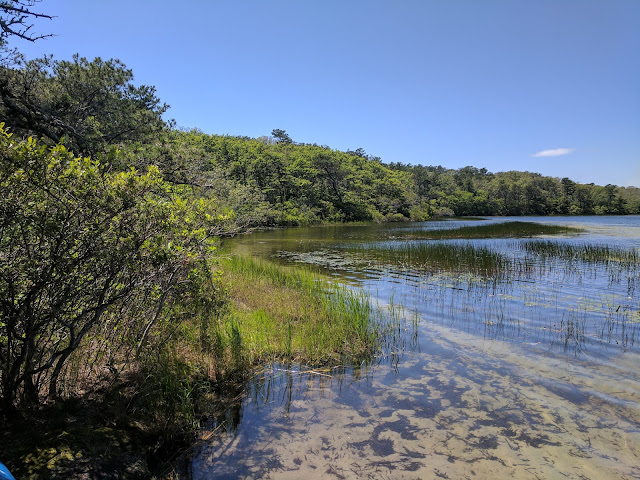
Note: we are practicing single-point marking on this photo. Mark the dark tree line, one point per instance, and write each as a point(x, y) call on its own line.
point(473, 191)
point(88, 105)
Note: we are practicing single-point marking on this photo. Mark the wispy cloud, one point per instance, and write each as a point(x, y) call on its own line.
point(556, 152)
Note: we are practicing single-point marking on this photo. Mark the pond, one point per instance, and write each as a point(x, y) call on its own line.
point(518, 358)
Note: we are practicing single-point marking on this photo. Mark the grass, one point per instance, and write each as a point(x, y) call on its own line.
point(585, 252)
point(439, 257)
point(496, 230)
point(279, 313)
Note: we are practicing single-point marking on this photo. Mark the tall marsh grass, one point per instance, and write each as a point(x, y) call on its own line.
point(592, 253)
point(465, 258)
point(279, 313)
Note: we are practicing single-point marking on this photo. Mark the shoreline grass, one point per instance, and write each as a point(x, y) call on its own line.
point(135, 423)
point(279, 313)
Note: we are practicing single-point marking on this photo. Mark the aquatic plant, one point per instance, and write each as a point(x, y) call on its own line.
point(584, 252)
point(496, 230)
point(437, 257)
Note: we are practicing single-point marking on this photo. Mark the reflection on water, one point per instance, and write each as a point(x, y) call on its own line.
point(532, 376)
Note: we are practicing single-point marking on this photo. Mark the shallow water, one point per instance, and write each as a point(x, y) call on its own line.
point(532, 376)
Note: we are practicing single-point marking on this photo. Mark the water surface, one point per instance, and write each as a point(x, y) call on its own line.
point(534, 374)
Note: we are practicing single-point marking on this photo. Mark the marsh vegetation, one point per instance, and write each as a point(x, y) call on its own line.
point(287, 314)
point(510, 229)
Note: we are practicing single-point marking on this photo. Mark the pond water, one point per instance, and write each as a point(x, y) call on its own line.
point(528, 370)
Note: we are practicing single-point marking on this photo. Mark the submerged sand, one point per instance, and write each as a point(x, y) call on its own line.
point(457, 408)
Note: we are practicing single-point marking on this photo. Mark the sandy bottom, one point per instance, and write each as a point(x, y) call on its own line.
point(458, 408)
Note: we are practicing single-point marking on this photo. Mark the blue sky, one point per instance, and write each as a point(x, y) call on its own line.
point(548, 86)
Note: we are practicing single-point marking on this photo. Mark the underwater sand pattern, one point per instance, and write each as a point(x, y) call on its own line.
point(459, 409)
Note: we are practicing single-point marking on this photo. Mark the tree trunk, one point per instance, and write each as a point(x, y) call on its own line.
point(53, 381)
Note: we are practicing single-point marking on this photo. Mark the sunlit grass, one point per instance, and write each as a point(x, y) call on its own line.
point(280, 313)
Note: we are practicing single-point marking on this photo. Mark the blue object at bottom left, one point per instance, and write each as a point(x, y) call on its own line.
point(5, 474)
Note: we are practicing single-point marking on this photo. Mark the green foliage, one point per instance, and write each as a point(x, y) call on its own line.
point(283, 183)
point(472, 191)
point(187, 160)
point(281, 136)
point(95, 108)
point(87, 104)
point(79, 248)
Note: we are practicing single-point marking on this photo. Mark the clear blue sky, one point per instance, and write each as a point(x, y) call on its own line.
point(548, 86)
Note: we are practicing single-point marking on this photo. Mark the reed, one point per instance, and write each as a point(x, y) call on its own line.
point(592, 253)
point(278, 313)
point(438, 257)
point(496, 230)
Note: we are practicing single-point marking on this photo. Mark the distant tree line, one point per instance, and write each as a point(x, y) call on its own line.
point(475, 191)
point(300, 184)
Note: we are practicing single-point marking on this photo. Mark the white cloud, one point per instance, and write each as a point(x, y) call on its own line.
point(556, 152)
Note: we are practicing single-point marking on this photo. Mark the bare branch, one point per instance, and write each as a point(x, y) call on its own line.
point(16, 17)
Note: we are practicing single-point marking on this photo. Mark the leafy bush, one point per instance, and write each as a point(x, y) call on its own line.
point(80, 247)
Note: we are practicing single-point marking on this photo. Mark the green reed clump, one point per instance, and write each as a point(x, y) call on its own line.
point(592, 253)
point(497, 230)
point(254, 269)
point(440, 256)
point(280, 313)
